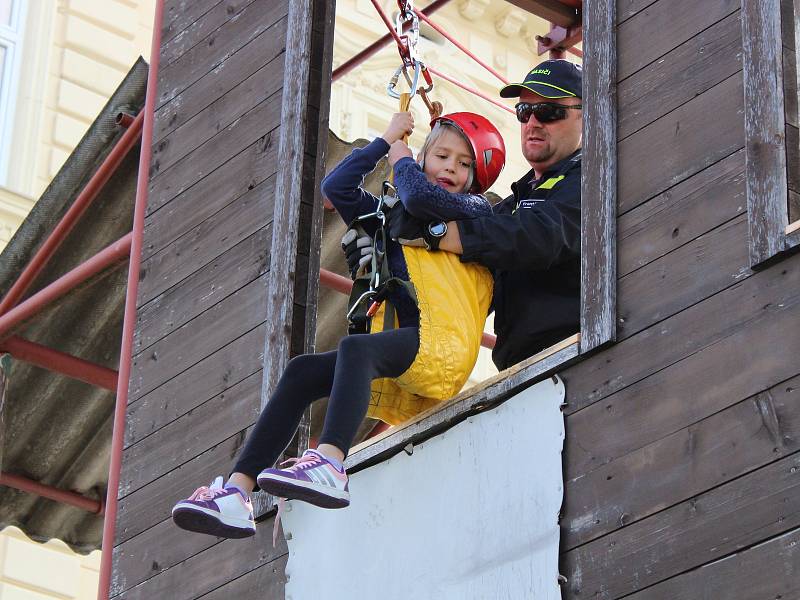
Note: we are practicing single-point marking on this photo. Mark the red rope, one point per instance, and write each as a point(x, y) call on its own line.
point(472, 90)
point(400, 45)
point(462, 48)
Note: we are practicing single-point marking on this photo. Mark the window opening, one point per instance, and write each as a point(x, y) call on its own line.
point(11, 26)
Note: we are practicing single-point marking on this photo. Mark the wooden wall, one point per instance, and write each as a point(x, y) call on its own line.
point(200, 339)
point(681, 462)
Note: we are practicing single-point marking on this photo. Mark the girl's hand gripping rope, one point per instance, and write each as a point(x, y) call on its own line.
point(401, 125)
point(397, 151)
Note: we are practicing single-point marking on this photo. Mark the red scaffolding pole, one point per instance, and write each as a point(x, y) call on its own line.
point(52, 493)
point(128, 140)
point(99, 262)
point(129, 322)
point(60, 362)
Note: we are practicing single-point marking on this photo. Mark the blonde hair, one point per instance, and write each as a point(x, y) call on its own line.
point(437, 132)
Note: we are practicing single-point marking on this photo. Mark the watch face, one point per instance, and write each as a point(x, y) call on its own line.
point(437, 229)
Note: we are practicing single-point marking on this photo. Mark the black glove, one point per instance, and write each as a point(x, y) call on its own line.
point(357, 247)
point(410, 231)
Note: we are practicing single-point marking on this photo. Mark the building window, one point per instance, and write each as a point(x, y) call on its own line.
point(11, 26)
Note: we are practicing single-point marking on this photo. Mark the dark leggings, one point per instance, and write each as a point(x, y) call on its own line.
point(345, 375)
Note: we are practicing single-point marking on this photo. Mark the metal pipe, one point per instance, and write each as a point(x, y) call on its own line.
point(343, 284)
point(60, 362)
point(463, 48)
point(100, 261)
point(471, 90)
point(82, 202)
point(51, 493)
point(124, 120)
point(378, 45)
point(129, 322)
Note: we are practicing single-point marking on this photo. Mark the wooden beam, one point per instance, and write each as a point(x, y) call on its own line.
point(764, 122)
point(599, 181)
point(551, 10)
point(443, 416)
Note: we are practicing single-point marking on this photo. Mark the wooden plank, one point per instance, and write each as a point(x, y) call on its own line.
point(191, 434)
point(203, 336)
point(288, 191)
point(707, 454)
point(665, 25)
point(205, 243)
point(674, 218)
point(790, 86)
point(223, 112)
point(216, 151)
point(628, 8)
point(267, 581)
point(550, 10)
point(794, 212)
point(176, 46)
point(256, 18)
point(150, 505)
point(659, 405)
point(792, 158)
point(680, 144)
point(487, 395)
point(206, 571)
point(202, 381)
point(741, 513)
point(767, 570)
point(205, 287)
point(239, 176)
point(764, 122)
point(219, 82)
point(599, 181)
point(699, 326)
point(692, 68)
point(180, 14)
point(788, 37)
point(703, 267)
point(791, 228)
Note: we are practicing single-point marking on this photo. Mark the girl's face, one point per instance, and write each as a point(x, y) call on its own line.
point(448, 162)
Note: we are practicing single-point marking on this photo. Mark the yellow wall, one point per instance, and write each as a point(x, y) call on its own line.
point(74, 54)
point(31, 571)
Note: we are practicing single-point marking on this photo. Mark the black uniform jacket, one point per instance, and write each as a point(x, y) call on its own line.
point(532, 245)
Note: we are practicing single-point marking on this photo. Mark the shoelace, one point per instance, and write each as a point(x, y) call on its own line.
point(206, 494)
point(304, 462)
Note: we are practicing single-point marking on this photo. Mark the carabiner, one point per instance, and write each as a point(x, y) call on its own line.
point(413, 83)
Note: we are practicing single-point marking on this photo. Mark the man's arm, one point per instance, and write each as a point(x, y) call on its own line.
point(538, 235)
point(451, 241)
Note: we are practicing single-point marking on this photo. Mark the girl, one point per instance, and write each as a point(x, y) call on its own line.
point(391, 375)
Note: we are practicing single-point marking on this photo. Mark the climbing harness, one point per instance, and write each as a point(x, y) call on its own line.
point(371, 289)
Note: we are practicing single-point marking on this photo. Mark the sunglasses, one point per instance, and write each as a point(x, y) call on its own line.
point(545, 112)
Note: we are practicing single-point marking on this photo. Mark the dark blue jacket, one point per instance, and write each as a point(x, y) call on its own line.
point(532, 245)
point(422, 199)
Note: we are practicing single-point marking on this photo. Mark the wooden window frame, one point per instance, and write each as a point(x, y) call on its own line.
point(770, 233)
point(599, 177)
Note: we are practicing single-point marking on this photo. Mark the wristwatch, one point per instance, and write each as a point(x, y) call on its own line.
point(436, 231)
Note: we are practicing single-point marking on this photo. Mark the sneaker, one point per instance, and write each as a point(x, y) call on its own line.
point(216, 511)
point(312, 478)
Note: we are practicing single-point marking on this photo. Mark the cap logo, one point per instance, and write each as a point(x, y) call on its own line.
point(540, 72)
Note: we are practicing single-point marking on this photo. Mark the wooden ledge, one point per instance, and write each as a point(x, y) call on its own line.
point(792, 227)
point(476, 399)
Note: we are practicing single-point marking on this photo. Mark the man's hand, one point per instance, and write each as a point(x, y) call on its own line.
point(399, 150)
point(402, 124)
point(357, 247)
point(408, 230)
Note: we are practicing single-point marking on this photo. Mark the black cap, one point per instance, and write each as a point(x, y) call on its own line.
point(557, 78)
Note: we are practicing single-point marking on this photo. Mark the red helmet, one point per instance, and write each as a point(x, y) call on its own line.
point(487, 146)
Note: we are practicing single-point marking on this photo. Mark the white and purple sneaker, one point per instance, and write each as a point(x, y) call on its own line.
point(217, 511)
point(312, 478)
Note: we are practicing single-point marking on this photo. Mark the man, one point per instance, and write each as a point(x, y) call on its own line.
point(531, 243)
